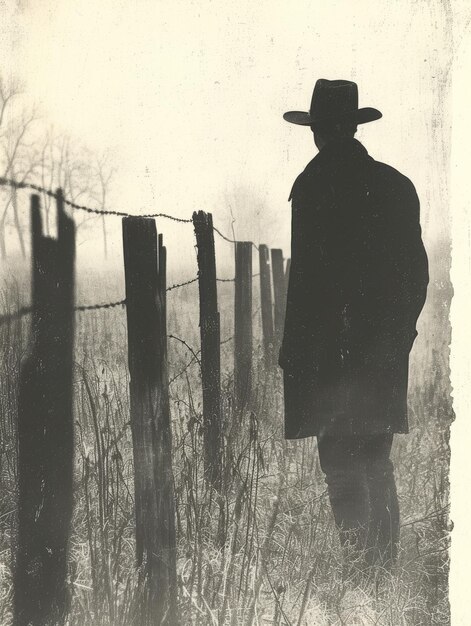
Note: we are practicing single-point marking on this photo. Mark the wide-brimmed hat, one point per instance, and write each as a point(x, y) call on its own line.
point(333, 100)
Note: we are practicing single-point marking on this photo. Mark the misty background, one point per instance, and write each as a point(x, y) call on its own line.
point(187, 100)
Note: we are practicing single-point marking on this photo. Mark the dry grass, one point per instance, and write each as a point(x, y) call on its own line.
point(269, 553)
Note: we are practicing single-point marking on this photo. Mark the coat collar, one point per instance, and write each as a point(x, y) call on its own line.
point(339, 150)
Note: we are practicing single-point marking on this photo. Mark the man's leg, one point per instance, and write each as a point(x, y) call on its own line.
point(383, 536)
point(342, 462)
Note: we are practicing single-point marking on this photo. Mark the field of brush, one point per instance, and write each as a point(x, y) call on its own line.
point(272, 556)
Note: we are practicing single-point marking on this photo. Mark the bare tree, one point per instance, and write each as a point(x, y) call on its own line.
point(104, 171)
point(84, 177)
point(50, 158)
point(17, 152)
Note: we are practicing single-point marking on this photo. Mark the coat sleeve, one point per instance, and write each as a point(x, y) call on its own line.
point(410, 259)
point(414, 260)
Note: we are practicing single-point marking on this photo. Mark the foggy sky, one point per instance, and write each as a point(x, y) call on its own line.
point(190, 96)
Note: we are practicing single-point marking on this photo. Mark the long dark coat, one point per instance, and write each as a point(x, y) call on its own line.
point(357, 284)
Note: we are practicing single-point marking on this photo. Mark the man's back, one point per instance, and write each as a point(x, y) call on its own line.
point(358, 251)
point(358, 271)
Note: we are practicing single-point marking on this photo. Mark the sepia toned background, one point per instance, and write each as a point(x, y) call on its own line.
point(185, 99)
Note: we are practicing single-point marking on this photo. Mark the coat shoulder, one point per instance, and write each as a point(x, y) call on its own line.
point(305, 180)
point(394, 179)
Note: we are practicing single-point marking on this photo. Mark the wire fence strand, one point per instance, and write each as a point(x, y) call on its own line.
point(187, 282)
point(194, 359)
point(187, 346)
point(229, 239)
point(8, 317)
point(9, 182)
point(95, 307)
point(15, 184)
point(232, 280)
point(182, 371)
point(81, 207)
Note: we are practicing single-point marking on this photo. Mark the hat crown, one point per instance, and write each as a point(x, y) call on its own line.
point(333, 98)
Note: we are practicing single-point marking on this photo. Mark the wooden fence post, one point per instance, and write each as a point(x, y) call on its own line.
point(210, 333)
point(243, 324)
point(45, 430)
point(279, 290)
point(266, 303)
point(145, 267)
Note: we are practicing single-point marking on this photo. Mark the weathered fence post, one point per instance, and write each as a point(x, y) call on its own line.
point(210, 333)
point(279, 290)
point(145, 266)
point(243, 324)
point(45, 430)
point(266, 303)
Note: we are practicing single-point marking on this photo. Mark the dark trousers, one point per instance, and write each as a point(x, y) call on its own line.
point(362, 492)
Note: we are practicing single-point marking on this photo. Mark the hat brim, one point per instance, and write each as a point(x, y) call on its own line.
point(360, 116)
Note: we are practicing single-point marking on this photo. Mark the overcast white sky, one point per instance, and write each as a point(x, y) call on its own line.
point(190, 95)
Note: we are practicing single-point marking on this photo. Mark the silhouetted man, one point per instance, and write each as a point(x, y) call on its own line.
point(357, 284)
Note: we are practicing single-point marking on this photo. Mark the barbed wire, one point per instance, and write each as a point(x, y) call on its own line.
point(182, 371)
point(95, 307)
point(187, 282)
point(26, 310)
point(8, 317)
point(15, 184)
point(229, 240)
point(187, 346)
point(232, 280)
point(80, 207)
point(193, 359)
point(4, 318)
